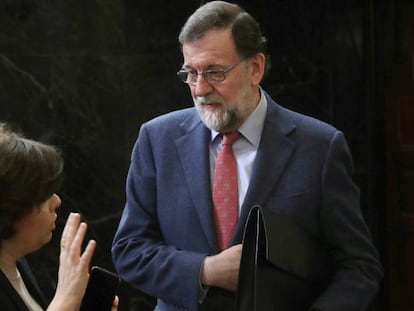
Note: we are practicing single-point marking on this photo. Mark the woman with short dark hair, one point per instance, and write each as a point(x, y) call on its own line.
point(31, 173)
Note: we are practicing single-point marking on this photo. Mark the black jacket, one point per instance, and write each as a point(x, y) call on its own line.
point(10, 299)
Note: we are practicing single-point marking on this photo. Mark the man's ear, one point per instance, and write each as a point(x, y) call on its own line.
point(257, 66)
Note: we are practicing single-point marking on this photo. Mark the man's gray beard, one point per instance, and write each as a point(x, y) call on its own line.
point(214, 121)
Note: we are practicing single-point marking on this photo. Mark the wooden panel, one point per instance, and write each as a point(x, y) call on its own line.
point(400, 196)
point(406, 183)
point(406, 120)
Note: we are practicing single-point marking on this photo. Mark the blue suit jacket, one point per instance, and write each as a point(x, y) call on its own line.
point(302, 170)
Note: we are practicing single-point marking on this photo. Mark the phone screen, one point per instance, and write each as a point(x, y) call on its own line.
point(101, 290)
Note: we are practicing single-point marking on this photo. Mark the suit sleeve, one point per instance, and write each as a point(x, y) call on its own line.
point(140, 254)
point(357, 267)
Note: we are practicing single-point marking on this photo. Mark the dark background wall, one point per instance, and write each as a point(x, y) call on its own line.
point(83, 75)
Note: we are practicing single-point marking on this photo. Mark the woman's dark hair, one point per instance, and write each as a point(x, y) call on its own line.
point(246, 33)
point(30, 173)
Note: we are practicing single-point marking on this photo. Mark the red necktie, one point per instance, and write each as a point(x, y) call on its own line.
point(225, 191)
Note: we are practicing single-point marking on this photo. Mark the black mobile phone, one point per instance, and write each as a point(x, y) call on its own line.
point(101, 290)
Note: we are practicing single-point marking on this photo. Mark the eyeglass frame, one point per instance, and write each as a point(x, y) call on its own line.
point(206, 74)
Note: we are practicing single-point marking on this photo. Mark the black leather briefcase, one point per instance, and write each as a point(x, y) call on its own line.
point(283, 268)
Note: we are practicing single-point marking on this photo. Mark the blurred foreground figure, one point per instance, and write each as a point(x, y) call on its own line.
point(30, 175)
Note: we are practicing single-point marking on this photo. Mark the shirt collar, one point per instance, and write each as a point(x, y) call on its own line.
point(252, 128)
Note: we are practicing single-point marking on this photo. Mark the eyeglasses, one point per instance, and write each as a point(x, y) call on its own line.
point(211, 76)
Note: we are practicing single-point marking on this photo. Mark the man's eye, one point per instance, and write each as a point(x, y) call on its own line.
point(214, 73)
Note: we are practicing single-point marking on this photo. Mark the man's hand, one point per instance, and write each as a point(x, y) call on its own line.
point(222, 270)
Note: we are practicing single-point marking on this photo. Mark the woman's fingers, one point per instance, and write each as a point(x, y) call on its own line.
point(88, 253)
point(71, 243)
point(115, 303)
point(74, 265)
point(78, 237)
point(69, 231)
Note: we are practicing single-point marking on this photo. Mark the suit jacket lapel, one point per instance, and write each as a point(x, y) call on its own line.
point(197, 172)
point(274, 152)
point(31, 282)
point(13, 300)
point(9, 298)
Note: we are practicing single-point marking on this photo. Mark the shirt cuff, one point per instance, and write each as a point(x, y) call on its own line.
point(202, 290)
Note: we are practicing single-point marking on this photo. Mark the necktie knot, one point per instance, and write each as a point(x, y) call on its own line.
point(230, 138)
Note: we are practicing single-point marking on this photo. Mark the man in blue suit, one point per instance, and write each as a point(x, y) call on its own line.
point(291, 164)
